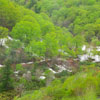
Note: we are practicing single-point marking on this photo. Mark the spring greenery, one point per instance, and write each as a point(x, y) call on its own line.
point(38, 38)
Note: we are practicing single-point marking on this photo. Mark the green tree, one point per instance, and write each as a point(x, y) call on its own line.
point(6, 80)
point(52, 44)
point(3, 34)
point(37, 48)
point(25, 31)
point(9, 14)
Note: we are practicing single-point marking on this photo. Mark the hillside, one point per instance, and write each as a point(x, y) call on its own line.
point(49, 49)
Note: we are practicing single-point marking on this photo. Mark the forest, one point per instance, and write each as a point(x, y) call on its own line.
point(49, 49)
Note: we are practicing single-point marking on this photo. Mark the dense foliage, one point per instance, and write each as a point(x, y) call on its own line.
point(79, 16)
point(40, 45)
point(84, 85)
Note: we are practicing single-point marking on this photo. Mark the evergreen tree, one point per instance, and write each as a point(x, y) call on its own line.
point(6, 80)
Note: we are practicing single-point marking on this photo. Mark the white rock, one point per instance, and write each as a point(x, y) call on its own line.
point(97, 58)
point(84, 48)
point(98, 48)
point(84, 57)
point(69, 70)
point(29, 62)
point(1, 66)
point(29, 72)
point(16, 72)
point(23, 63)
point(42, 77)
point(52, 70)
point(10, 38)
